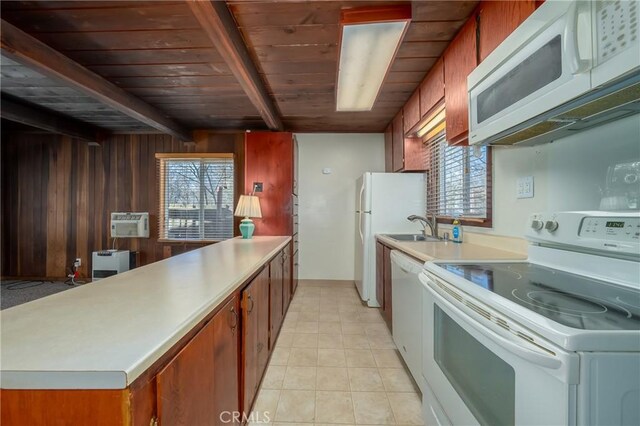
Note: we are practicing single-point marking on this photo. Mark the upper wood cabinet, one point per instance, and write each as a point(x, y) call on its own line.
point(498, 19)
point(406, 152)
point(432, 88)
point(398, 143)
point(411, 111)
point(388, 149)
point(459, 61)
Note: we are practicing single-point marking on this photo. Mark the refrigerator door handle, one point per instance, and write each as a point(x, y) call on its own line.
point(360, 198)
point(360, 227)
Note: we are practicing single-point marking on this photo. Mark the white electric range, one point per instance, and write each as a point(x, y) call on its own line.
point(551, 340)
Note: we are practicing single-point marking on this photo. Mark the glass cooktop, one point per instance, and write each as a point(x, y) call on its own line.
point(572, 300)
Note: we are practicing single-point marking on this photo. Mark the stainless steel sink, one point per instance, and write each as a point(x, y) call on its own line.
point(412, 237)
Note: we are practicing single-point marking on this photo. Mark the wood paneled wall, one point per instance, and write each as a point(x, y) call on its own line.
point(58, 193)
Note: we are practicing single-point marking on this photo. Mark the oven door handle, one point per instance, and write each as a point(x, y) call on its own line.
point(538, 358)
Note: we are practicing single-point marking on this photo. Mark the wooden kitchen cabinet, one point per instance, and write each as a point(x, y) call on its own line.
point(460, 58)
point(226, 368)
point(407, 152)
point(255, 335)
point(287, 270)
point(383, 282)
point(432, 88)
point(201, 381)
point(498, 19)
point(398, 143)
point(411, 111)
point(276, 289)
point(388, 149)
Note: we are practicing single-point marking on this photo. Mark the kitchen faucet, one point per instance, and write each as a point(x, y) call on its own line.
point(431, 223)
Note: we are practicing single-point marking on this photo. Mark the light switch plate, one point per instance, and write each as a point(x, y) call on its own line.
point(524, 187)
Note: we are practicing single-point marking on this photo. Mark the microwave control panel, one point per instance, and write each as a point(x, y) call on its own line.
point(617, 24)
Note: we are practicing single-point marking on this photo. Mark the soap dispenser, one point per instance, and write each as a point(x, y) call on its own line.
point(457, 231)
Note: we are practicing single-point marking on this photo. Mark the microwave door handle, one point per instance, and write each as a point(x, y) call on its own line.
point(578, 32)
point(547, 361)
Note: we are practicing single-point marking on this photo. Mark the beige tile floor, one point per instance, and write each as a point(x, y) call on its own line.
point(335, 363)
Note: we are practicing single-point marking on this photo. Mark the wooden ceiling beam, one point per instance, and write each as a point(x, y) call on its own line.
point(218, 23)
point(23, 48)
point(47, 120)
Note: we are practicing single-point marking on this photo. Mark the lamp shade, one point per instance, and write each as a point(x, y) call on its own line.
point(248, 206)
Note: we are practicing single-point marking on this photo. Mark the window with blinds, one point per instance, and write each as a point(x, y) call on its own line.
point(458, 181)
point(196, 197)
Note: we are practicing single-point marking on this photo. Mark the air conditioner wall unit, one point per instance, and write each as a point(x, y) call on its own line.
point(129, 225)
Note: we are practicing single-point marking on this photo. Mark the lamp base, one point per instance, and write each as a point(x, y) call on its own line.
point(246, 228)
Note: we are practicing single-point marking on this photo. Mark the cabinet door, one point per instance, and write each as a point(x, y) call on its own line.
point(386, 278)
point(287, 262)
point(262, 309)
point(411, 111)
point(388, 149)
point(498, 19)
point(459, 61)
point(275, 300)
point(398, 143)
point(226, 376)
point(249, 345)
point(185, 386)
point(432, 88)
point(294, 280)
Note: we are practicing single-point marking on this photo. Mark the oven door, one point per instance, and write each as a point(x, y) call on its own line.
point(480, 373)
point(545, 63)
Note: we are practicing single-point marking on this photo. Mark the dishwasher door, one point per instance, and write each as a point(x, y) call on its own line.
point(406, 302)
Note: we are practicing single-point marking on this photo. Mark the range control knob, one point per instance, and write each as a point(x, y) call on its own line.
point(537, 224)
point(551, 225)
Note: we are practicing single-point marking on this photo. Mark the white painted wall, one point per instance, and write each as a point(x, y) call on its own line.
point(568, 173)
point(327, 202)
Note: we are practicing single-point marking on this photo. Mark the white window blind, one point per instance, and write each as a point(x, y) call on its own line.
point(196, 197)
point(457, 180)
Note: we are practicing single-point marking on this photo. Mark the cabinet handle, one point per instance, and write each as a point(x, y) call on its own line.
point(234, 316)
point(251, 307)
point(153, 421)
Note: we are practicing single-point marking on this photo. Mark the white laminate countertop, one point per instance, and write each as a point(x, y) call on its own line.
point(105, 334)
point(440, 250)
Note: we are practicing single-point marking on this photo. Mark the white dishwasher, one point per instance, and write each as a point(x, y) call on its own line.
point(406, 300)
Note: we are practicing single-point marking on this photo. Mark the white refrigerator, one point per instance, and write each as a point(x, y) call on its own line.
point(383, 202)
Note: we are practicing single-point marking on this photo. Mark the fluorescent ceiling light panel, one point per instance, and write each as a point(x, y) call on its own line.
point(367, 50)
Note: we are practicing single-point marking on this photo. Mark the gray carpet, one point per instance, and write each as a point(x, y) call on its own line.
point(17, 292)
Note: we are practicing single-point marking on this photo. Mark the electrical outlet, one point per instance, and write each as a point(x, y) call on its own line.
point(524, 187)
point(78, 262)
point(257, 186)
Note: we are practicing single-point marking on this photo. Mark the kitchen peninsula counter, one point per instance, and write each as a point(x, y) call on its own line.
point(104, 335)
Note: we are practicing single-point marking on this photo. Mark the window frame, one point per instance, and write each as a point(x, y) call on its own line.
point(161, 158)
point(486, 222)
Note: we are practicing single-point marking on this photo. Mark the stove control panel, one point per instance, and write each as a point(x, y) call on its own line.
point(594, 230)
point(611, 228)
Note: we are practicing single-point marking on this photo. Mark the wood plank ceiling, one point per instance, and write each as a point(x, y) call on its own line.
point(158, 52)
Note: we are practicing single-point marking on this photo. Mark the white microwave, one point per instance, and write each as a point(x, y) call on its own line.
point(571, 65)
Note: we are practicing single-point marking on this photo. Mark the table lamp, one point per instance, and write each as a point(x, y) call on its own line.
point(248, 206)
